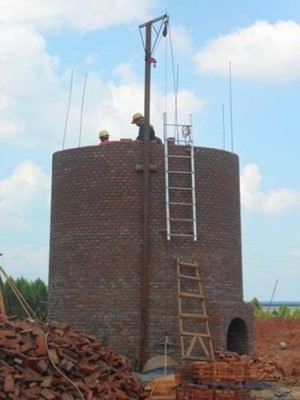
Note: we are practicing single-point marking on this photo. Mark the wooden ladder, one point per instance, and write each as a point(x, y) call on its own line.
point(195, 337)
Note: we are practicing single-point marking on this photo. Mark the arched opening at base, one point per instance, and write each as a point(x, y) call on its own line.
point(237, 337)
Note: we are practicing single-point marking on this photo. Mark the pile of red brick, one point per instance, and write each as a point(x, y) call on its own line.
point(51, 361)
point(262, 369)
point(257, 369)
point(229, 377)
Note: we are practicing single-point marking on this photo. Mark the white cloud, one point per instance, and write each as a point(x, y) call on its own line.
point(91, 14)
point(5, 102)
point(295, 253)
point(29, 12)
point(27, 262)
point(82, 15)
point(125, 73)
point(181, 40)
point(32, 91)
point(263, 51)
point(34, 94)
point(25, 64)
point(22, 194)
point(35, 109)
point(271, 202)
point(24, 209)
point(114, 108)
point(27, 77)
point(10, 130)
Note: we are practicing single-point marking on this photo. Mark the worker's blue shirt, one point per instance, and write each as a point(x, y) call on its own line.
point(142, 132)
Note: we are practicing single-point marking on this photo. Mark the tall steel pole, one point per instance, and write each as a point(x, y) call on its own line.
point(145, 250)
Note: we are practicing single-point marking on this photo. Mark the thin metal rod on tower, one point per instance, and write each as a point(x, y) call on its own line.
point(230, 101)
point(68, 110)
point(81, 113)
point(223, 122)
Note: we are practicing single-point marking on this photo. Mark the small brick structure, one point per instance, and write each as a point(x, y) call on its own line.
point(96, 247)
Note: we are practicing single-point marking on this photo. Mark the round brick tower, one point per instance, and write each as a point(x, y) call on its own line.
point(97, 238)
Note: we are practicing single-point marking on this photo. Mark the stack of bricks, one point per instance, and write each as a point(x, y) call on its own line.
point(228, 377)
point(49, 361)
point(222, 379)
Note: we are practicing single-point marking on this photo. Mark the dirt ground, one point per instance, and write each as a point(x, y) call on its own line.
point(278, 340)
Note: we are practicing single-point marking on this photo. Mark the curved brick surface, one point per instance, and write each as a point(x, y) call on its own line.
point(96, 244)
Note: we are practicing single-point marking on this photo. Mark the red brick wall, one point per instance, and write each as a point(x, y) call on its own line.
point(96, 244)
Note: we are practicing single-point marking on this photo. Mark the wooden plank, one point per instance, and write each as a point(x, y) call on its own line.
point(194, 316)
point(191, 295)
point(203, 335)
point(188, 264)
point(192, 278)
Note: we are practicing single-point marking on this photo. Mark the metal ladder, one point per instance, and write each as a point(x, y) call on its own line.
point(195, 337)
point(180, 183)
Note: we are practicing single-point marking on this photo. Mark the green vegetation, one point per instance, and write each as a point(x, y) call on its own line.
point(282, 312)
point(34, 292)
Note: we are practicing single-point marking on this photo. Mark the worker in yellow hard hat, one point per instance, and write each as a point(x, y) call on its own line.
point(139, 120)
point(103, 136)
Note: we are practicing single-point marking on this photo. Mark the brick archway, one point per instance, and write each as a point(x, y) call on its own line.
point(237, 337)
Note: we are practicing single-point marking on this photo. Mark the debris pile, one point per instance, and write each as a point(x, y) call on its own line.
point(52, 361)
point(265, 370)
point(229, 377)
point(269, 335)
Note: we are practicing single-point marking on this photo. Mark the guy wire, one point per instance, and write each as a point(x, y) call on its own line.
point(81, 112)
point(68, 110)
point(175, 82)
point(230, 101)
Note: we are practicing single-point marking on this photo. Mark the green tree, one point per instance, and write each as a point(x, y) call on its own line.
point(296, 313)
point(258, 310)
point(282, 312)
point(34, 292)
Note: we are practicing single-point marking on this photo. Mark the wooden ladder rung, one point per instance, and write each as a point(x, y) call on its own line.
point(194, 316)
point(188, 264)
point(194, 278)
point(202, 335)
point(191, 295)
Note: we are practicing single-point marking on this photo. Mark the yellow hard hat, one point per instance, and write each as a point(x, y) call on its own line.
point(136, 116)
point(103, 133)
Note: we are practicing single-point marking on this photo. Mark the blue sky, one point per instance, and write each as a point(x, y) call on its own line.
point(43, 43)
